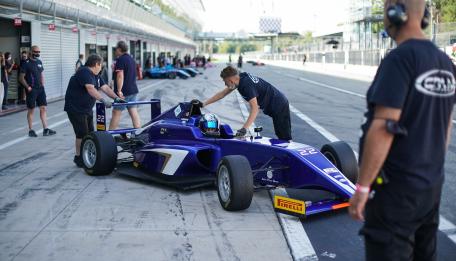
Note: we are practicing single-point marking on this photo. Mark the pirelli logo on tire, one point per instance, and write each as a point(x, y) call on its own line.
point(289, 205)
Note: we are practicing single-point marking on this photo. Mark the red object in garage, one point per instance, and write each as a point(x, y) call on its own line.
point(75, 29)
point(51, 27)
point(17, 22)
point(139, 72)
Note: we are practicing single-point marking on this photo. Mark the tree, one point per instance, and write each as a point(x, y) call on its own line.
point(308, 37)
point(377, 7)
point(445, 11)
point(247, 48)
point(231, 48)
point(215, 48)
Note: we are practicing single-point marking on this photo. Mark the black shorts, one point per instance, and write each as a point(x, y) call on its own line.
point(402, 223)
point(82, 124)
point(282, 123)
point(37, 97)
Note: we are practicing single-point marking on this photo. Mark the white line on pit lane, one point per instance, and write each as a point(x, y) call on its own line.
point(328, 86)
point(448, 228)
point(332, 87)
point(15, 141)
point(299, 243)
point(36, 122)
point(152, 85)
point(54, 125)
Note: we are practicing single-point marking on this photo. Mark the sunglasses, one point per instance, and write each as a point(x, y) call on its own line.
point(36, 51)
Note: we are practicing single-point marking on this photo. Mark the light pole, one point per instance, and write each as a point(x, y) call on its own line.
point(432, 24)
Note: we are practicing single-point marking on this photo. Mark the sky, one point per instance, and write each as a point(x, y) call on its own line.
point(297, 15)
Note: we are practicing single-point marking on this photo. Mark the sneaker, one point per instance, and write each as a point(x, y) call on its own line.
point(32, 133)
point(78, 161)
point(48, 132)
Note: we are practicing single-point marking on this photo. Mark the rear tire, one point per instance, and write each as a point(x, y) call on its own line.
point(234, 183)
point(99, 153)
point(342, 156)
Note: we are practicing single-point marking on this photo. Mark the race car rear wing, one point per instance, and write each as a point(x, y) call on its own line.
point(155, 110)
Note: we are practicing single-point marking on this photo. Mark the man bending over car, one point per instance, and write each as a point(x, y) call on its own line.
point(82, 92)
point(261, 95)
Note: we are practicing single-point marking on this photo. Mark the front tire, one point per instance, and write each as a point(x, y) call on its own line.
point(172, 75)
point(234, 183)
point(342, 156)
point(99, 153)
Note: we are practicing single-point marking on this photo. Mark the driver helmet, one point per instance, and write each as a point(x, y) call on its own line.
point(210, 124)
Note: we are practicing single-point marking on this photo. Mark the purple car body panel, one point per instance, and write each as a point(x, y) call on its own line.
point(177, 148)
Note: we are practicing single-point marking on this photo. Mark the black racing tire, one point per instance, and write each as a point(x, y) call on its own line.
point(99, 153)
point(343, 157)
point(172, 75)
point(240, 183)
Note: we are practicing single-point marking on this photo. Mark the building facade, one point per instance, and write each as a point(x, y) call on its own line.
point(66, 28)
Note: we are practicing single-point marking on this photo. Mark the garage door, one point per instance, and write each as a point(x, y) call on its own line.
point(70, 46)
point(50, 56)
point(59, 52)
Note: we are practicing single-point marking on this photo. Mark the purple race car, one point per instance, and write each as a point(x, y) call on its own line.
point(183, 148)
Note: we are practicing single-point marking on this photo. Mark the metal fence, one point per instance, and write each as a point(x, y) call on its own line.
point(354, 57)
point(443, 35)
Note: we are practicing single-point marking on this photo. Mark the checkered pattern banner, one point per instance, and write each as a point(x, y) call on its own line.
point(270, 24)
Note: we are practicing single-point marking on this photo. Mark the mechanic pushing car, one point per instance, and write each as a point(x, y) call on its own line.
point(80, 97)
point(405, 138)
point(259, 93)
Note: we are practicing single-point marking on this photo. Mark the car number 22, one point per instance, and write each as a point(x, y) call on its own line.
point(307, 151)
point(100, 118)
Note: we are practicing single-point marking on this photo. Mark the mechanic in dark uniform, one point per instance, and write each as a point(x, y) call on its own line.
point(125, 86)
point(259, 93)
point(80, 97)
point(405, 138)
point(21, 91)
point(31, 77)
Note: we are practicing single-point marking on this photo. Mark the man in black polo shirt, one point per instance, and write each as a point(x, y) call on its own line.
point(21, 91)
point(125, 86)
point(405, 138)
point(259, 93)
point(80, 97)
point(31, 77)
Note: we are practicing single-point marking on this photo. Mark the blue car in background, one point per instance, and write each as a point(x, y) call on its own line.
point(173, 150)
point(192, 71)
point(166, 72)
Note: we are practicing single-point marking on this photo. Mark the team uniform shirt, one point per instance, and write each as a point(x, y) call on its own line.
point(126, 64)
point(270, 100)
point(5, 76)
point(77, 98)
point(78, 64)
point(22, 63)
point(419, 79)
point(33, 69)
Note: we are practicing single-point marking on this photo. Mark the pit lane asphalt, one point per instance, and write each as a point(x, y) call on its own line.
point(334, 236)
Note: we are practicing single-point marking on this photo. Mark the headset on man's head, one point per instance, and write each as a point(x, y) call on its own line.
point(397, 15)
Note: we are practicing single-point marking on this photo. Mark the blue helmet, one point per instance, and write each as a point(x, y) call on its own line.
point(210, 124)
